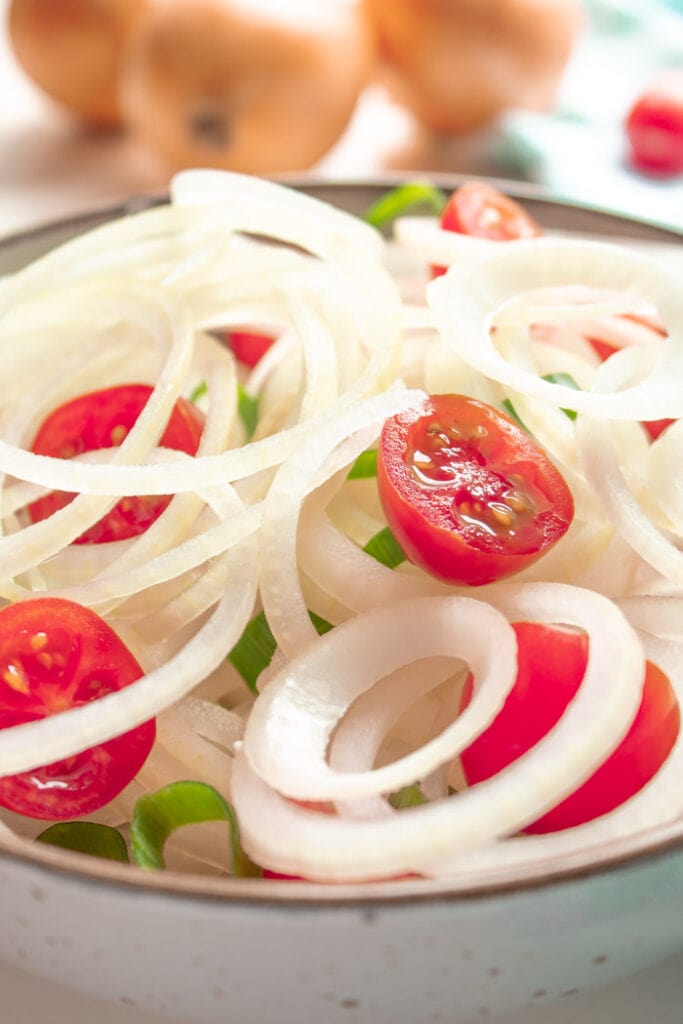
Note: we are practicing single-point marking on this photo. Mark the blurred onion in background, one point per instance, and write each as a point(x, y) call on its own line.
point(532, 89)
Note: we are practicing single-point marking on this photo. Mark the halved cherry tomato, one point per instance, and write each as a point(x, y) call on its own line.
point(249, 346)
point(551, 666)
point(468, 494)
point(56, 655)
point(101, 419)
point(654, 126)
point(480, 210)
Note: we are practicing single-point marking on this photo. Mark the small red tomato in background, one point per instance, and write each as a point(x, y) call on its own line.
point(56, 655)
point(102, 419)
point(469, 496)
point(654, 126)
point(481, 211)
point(551, 666)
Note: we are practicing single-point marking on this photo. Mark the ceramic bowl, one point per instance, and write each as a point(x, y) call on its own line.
point(414, 952)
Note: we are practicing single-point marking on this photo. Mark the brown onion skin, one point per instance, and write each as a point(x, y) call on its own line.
point(73, 50)
point(212, 85)
point(460, 63)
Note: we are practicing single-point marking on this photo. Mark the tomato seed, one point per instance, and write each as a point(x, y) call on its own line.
point(15, 677)
point(503, 515)
point(516, 501)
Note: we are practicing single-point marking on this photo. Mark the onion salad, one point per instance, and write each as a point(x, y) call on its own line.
point(314, 689)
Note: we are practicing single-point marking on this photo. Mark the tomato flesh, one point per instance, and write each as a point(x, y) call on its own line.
point(551, 665)
point(249, 347)
point(481, 211)
point(56, 655)
point(467, 493)
point(654, 127)
point(102, 419)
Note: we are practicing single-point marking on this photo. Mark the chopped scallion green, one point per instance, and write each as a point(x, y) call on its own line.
point(247, 407)
point(254, 650)
point(567, 381)
point(199, 391)
point(412, 195)
point(157, 815)
point(514, 415)
point(409, 796)
point(322, 625)
point(385, 548)
point(365, 465)
point(87, 837)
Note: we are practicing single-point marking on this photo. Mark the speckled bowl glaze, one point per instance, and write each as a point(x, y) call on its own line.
point(414, 952)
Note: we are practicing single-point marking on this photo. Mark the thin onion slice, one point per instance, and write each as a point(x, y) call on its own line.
point(466, 301)
point(294, 840)
point(299, 709)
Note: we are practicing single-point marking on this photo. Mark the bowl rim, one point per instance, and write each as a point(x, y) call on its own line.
point(622, 854)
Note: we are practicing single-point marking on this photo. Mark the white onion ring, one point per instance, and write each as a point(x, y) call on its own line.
point(293, 840)
point(466, 300)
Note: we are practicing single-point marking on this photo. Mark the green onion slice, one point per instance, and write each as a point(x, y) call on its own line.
point(406, 197)
point(409, 796)
point(254, 650)
point(199, 391)
point(322, 625)
point(365, 466)
point(247, 407)
point(157, 815)
point(567, 381)
point(385, 548)
point(514, 415)
point(87, 837)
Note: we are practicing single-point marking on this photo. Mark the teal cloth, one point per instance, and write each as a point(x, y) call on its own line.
point(579, 150)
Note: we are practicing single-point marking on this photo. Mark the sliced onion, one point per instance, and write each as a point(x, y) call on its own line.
point(28, 746)
point(283, 835)
point(466, 300)
point(299, 709)
point(334, 443)
point(332, 710)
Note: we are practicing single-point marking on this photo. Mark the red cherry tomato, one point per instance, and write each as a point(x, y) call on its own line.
point(249, 346)
point(479, 210)
point(56, 655)
point(101, 419)
point(468, 494)
point(654, 127)
point(551, 666)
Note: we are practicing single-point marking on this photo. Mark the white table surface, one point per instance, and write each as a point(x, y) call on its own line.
point(49, 168)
